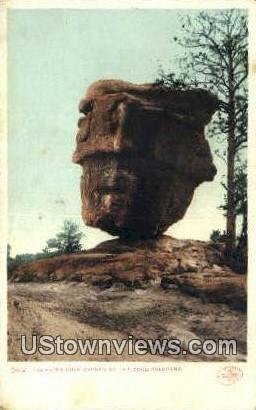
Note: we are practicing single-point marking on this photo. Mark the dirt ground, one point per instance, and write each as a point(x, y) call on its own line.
point(78, 310)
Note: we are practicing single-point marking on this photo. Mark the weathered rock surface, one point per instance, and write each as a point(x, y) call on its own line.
point(79, 310)
point(143, 153)
point(192, 267)
point(153, 289)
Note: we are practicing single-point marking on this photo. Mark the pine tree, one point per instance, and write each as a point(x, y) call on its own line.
point(66, 241)
point(215, 57)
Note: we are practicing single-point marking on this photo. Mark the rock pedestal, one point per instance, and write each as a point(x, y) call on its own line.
point(143, 152)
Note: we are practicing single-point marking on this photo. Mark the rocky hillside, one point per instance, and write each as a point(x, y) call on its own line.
point(149, 289)
point(194, 267)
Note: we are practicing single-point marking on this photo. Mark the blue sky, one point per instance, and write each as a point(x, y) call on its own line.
point(53, 55)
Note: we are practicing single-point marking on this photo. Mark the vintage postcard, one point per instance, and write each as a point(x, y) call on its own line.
point(128, 187)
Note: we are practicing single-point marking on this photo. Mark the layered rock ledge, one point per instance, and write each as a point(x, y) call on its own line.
point(193, 267)
point(153, 289)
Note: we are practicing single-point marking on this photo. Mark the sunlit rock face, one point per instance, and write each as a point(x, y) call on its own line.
point(143, 152)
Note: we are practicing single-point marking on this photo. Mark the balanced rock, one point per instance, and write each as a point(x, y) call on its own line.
point(143, 152)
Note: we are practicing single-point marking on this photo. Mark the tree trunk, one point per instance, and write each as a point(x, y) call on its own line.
point(231, 214)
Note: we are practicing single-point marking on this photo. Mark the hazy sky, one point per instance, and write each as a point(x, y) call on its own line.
point(53, 56)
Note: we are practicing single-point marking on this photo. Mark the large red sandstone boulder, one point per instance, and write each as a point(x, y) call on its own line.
point(143, 152)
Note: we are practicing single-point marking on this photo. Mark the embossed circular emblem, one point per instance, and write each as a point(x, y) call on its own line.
point(229, 375)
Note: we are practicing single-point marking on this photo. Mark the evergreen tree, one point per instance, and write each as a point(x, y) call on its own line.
point(215, 57)
point(66, 241)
